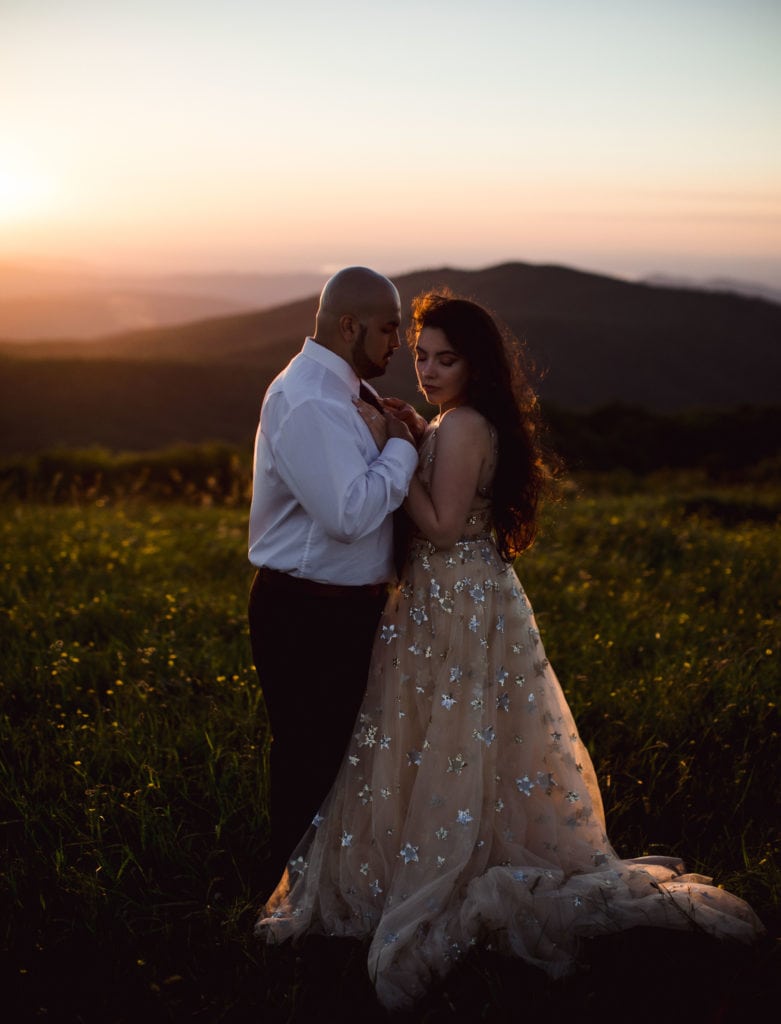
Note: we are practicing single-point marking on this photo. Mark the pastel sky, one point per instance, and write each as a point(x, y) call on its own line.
point(628, 136)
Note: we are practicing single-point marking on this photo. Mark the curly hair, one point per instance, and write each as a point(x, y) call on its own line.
point(500, 388)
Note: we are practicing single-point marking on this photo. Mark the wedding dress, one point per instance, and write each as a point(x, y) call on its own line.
point(467, 809)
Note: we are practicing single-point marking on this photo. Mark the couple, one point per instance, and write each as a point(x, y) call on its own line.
point(429, 789)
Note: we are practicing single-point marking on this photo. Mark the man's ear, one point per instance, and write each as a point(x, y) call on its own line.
point(349, 327)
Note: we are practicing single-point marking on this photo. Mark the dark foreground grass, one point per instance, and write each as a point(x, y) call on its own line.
point(133, 744)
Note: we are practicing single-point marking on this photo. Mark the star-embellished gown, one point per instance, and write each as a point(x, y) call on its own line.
point(467, 809)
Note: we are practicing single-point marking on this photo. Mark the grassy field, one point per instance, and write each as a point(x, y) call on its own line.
point(133, 743)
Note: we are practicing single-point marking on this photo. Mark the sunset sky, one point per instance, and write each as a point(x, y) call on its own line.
point(627, 136)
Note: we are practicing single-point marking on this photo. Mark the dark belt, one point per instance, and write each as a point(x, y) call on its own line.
point(299, 585)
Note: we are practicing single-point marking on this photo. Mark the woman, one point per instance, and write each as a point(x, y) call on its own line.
point(467, 809)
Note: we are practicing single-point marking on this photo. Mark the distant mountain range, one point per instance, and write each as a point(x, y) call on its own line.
point(45, 303)
point(598, 340)
point(717, 284)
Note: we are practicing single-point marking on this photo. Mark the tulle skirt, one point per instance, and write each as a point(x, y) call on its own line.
point(467, 809)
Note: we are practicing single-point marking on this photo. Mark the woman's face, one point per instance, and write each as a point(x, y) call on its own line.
point(443, 375)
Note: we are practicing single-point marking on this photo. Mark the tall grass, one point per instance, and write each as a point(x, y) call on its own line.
point(133, 746)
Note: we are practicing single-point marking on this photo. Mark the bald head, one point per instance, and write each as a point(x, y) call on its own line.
point(358, 307)
point(355, 290)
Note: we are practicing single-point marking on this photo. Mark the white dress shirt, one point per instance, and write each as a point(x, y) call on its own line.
point(322, 493)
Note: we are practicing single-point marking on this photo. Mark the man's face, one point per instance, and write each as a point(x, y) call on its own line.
point(378, 338)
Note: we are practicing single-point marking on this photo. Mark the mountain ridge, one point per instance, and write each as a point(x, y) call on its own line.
point(597, 340)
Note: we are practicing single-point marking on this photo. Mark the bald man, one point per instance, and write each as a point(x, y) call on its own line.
point(321, 537)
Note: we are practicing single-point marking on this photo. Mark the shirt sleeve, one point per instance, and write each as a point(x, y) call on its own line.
point(319, 457)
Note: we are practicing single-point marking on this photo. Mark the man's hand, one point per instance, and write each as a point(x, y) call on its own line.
point(404, 411)
point(383, 426)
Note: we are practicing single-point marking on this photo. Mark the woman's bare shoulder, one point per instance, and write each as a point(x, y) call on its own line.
point(463, 422)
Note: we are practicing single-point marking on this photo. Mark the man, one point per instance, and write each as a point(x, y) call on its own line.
point(321, 536)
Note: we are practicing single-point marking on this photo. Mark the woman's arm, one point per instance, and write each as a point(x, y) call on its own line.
point(463, 448)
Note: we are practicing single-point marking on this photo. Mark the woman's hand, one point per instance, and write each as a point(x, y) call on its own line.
point(404, 411)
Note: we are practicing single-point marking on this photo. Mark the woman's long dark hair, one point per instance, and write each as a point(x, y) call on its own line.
point(500, 389)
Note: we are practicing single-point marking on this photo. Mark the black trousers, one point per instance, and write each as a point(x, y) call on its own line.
point(312, 652)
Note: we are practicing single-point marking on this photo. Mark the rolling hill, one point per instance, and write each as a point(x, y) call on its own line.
point(38, 302)
point(598, 340)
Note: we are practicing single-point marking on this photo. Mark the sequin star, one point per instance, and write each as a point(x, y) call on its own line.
point(517, 648)
point(441, 832)
point(487, 736)
point(577, 901)
point(556, 737)
point(385, 742)
point(440, 862)
point(418, 616)
point(455, 673)
point(500, 624)
point(353, 759)
point(573, 797)
point(318, 820)
point(409, 853)
point(365, 794)
point(525, 785)
point(546, 780)
point(299, 864)
point(385, 793)
point(347, 839)
point(367, 737)
point(501, 676)
point(534, 635)
point(388, 633)
point(520, 680)
point(414, 757)
point(448, 701)
point(434, 589)
point(499, 805)
point(503, 702)
point(476, 593)
point(473, 624)
point(464, 817)
point(456, 764)
point(415, 648)
point(375, 888)
point(364, 869)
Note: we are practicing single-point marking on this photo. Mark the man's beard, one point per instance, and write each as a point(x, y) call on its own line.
point(364, 366)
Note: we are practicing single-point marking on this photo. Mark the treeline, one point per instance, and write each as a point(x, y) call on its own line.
point(739, 444)
point(736, 446)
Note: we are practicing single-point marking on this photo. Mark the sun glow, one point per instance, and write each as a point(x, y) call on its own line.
point(23, 193)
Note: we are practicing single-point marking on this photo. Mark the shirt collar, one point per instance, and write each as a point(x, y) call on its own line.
point(331, 361)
